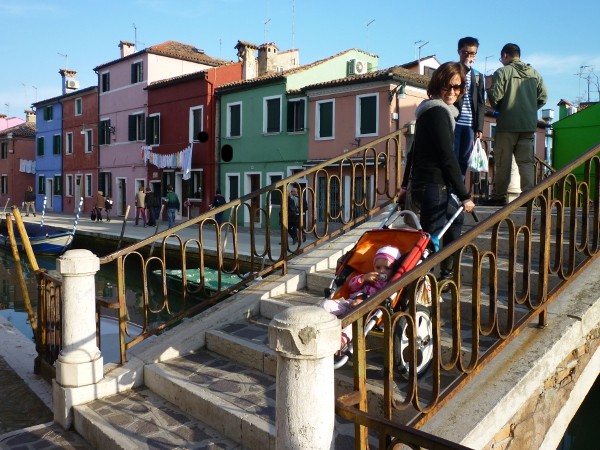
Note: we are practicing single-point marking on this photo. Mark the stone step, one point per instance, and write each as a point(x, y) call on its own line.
point(140, 419)
point(269, 308)
point(246, 343)
point(237, 401)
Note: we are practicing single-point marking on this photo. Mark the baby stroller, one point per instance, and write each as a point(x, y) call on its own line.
point(414, 245)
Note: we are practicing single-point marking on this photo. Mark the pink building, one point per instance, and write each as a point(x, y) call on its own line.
point(124, 125)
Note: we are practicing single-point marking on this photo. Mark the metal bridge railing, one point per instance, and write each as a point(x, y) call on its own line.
point(337, 195)
point(512, 266)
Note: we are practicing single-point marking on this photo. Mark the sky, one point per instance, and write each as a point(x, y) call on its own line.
point(40, 37)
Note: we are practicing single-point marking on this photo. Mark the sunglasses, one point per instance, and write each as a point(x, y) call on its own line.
point(456, 87)
point(466, 53)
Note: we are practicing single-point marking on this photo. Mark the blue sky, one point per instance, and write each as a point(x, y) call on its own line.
point(40, 36)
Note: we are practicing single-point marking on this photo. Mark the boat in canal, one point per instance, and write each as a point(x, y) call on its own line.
point(174, 279)
point(45, 239)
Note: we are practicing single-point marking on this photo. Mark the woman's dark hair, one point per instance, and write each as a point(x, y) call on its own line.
point(441, 78)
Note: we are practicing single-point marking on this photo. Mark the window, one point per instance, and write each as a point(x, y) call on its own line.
point(324, 119)
point(272, 115)
point(492, 135)
point(40, 146)
point(69, 185)
point(153, 128)
point(48, 113)
point(4, 185)
point(56, 144)
point(136, 127)
point(196, 122)
point(105, 87)
point(57, 184)
point(104, 132)
point(78, 106)
point(366, 115)
point(87, 144)
point(69, 143)
point(41, 187)
point(137, 72)
point(4, 150)
point(295, 115)
point(234, 120)
point(88, 184)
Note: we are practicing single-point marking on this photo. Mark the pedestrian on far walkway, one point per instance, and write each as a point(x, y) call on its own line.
point(98, 205)
point(140, 205)
point(150, 207)
point(29, 201)
point(172, 204)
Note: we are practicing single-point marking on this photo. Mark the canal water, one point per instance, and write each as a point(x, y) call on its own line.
point(583, 432)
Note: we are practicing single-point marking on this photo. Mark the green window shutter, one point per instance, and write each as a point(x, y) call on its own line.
point(235, 118)
point(56, 144)
point(326, 119)
point(368, 115)
point(273, 114)
point(40, 146)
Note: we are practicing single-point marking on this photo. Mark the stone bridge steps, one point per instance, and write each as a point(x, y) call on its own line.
point(224, 393)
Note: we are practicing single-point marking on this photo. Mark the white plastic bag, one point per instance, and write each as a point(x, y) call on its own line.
point(478, 161)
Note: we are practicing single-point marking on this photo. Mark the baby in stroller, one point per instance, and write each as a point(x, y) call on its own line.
point(363, 286)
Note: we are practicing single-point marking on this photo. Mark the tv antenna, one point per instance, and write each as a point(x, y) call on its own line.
point(266, 24)
point(7, 109)
point(66, 59)
point(580, 75)
point(368, 32)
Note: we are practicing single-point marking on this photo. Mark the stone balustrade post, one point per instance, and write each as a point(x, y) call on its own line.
point(305, 339)
point(80, 362)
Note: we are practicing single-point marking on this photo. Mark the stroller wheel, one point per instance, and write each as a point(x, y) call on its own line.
point(424, 343)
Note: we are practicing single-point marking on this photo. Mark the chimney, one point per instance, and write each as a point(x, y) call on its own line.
point(127, 48)
point(66, 75)
point(29, 116)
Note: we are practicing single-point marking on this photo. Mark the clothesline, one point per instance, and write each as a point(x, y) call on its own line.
point(27, 166)
point(181, 159)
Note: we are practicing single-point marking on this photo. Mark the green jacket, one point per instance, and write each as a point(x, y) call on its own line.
point(172, 201)
point(517, 92)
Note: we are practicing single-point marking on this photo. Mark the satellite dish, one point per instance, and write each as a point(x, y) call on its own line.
point(227, 153)
point(202, 136)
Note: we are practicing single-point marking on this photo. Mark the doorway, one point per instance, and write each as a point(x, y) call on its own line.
point(121, 198)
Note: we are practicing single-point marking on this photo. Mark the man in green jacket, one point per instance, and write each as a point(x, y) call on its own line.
point(516, 93)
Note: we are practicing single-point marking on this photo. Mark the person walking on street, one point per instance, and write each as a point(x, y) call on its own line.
point(140, 205)
point(29, 201)
point(150, 207)
point(516, 93)
point(219, 200)
point(99, 204)
point(471, 106)
point(108, 204)
point(293, 215)
point(172, 204)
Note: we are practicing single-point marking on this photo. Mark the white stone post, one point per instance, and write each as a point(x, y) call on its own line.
point(305, 339)
point(80, 361)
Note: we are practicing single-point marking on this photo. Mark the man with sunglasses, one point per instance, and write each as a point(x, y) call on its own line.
point(471, 106)
point(516, 93)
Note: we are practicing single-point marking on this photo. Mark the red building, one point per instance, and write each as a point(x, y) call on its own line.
point(17, 161)
point(186, 110)
point(80, 148)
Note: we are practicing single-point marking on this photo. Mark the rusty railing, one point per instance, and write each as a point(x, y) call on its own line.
point(513, 265)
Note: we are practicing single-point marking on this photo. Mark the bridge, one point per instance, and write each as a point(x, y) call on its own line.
point(514, 338)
